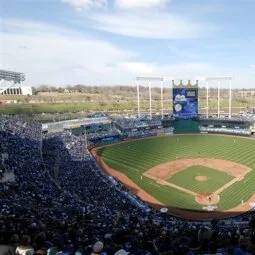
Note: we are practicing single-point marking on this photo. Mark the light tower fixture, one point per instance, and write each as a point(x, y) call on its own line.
point(218, 80)
point(9, 79)
point(149, 79)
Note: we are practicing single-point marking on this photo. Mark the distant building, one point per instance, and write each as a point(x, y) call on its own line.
point(7, 102)
point(18, 91)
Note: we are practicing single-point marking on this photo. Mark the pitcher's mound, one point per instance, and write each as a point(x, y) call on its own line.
point(201, 178)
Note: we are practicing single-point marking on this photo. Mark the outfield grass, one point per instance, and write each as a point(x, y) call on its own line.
point(135, 157)
point(186, 179)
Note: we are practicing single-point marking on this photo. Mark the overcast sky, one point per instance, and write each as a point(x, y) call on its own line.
point(59, 42)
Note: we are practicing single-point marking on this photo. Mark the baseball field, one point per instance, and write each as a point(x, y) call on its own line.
point(186, 173)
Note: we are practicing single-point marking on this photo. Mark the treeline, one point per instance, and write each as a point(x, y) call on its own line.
point(94, 89)
point(131, 91)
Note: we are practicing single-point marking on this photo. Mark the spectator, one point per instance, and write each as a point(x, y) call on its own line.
point(121, 252)
point(24, 248)
point(97, 248)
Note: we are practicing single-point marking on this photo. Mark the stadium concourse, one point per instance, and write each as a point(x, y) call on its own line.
point(58, 201)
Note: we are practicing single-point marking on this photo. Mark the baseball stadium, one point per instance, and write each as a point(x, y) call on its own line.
point(127, 127)
point(116, 184)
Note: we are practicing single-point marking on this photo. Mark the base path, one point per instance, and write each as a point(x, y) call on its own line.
point(163, 182)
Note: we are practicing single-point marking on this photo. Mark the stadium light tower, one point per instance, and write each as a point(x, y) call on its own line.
point(149, 79)
point(219, 79)
point(166, 79)
point(8, 79)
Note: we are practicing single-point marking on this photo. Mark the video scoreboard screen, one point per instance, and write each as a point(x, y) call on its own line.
point(185, 103)
point(191, 93)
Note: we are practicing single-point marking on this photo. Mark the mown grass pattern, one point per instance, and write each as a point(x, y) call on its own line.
point(135, 157)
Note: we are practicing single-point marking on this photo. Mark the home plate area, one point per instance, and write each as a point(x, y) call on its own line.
point(207, 198)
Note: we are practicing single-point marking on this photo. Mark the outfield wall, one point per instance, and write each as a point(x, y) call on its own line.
point(123, 138)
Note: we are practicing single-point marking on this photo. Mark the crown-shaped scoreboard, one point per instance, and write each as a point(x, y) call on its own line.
point(182, 84)
point(185, 99)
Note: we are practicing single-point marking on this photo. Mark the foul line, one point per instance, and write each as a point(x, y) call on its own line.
point(162, 182)
point(227, 185)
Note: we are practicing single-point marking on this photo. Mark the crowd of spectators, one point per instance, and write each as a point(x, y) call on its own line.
point(133, 123)
point(234, 117)
point(141, 127)
point(103, 134)
point(126, 123)
point(233, 131)
point(61, 202)
point(58, 159)
point(147, 132)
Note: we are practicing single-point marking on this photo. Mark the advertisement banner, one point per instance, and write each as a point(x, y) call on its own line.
point(185, 103)
point(110, 139)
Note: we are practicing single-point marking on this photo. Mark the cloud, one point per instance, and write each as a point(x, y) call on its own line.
point(182, 53)
point(58, 57)
point(138, 68)
point(27, 27)
point(155, 25)
point(53, 55)
point(200, 79)
point(86, 4)
point(141, 18)
point(174, 70)
point(131, 4)
point(242, 78)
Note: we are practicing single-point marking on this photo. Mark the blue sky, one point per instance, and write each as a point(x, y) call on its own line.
point(97, 42)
